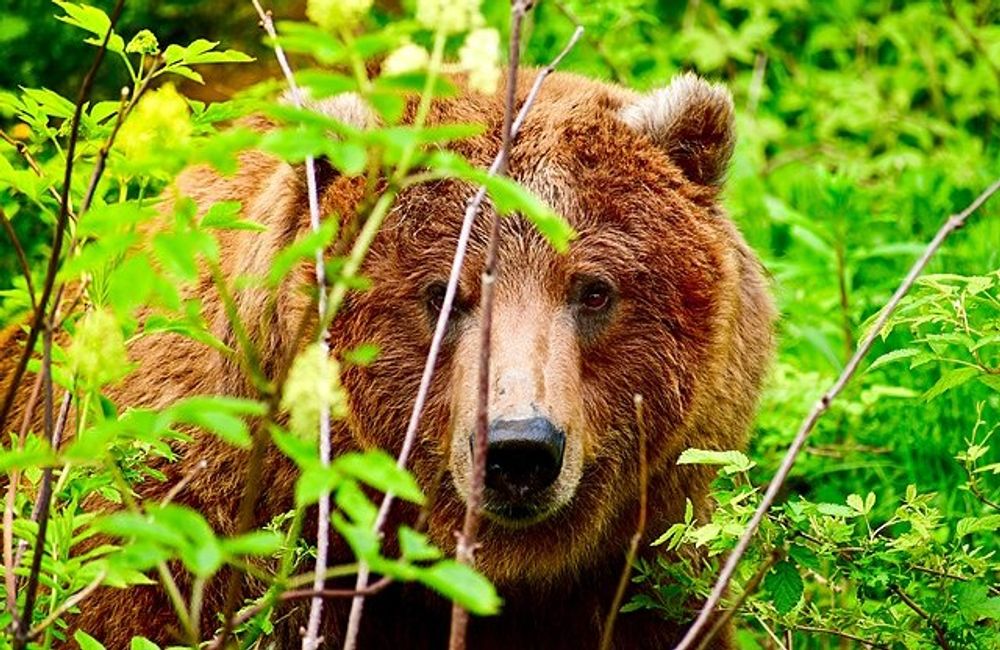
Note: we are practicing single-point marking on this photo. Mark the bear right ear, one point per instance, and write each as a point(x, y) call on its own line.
point(692, 121)
point(348, 108)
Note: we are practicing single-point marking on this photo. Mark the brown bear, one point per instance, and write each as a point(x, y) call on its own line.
point(658, 296)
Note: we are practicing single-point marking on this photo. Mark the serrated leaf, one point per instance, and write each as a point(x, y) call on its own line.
point(784, 584)
point(950, 379)
point(731, 461)
point(889, 357)
point(968, 525)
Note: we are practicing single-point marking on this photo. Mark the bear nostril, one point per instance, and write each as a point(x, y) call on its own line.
point(523, 457)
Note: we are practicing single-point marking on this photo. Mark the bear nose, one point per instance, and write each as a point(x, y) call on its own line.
point(523, 457)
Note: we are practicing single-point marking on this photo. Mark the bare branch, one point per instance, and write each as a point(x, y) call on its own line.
point(607, 635)
point(842, 635)
point(311, 638)
point(441, 327)
point(22, 259)
point(953, 223)
point(939, 630)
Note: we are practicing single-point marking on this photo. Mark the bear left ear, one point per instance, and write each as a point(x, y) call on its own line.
point(692, 120)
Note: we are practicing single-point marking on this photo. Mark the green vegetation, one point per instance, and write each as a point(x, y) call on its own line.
point(862, 126)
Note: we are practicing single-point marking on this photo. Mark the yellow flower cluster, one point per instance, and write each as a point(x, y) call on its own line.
point(337, 14)
point(449, 16)
point(313, 382)
point(480, 57)
point(97, 355)
point(161, 120)
point(406, 58)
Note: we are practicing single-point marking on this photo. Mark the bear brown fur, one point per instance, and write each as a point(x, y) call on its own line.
point(689, 328)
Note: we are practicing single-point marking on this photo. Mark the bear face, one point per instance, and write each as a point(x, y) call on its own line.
point(657, 296)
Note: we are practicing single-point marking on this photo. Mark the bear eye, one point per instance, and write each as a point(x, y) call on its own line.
point(595, 296)
point(434, 299)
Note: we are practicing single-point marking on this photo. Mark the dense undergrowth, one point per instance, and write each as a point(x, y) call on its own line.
point(862, 126)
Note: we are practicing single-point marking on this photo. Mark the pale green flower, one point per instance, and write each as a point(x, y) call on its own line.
point(449, 16)
point(480, 57)
point(313, 382)
point(161, 120)
point(407, 58)
point(333, 15)
point(143, 43)
point(97, 355)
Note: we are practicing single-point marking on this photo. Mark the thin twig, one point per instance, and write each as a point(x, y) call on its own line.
point(748, 589)
point(441, 327)
point(939, 630)
point(183, 483)
point(22, 259)
point(953, 223)
point(466, 543)
point(842, 635)
point(69, 604)
point(640, 528)
point(311, 638)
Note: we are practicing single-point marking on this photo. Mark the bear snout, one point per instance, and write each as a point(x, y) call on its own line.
point(523, 460)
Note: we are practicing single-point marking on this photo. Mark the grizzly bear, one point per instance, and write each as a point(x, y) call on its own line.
point(657, 296)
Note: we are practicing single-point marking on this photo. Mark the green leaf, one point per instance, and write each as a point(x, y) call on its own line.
point(142, 643)
point(93, 20)
point(303, 248)
point(363, 355)
point(86, 641)
point(222, 416)
point(258, 542)
point(974, 602)
point(463, 585)
point(889, 357)
point(379, 470)
point(416, 547)
point(969, 525)
point(353, 501)
point(732, 461)
point(225, 215)
point(315, 481)
point(784, 584)
point(949, 380)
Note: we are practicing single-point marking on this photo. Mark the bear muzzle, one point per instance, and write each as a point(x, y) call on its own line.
point(523, 460)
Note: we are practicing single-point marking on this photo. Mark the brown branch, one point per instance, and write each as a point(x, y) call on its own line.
point(748, 589)
point(22, 259)
point(466, 543)
point(939, 630)
point(953, 223)
point(640, 528)
point(842, 635)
